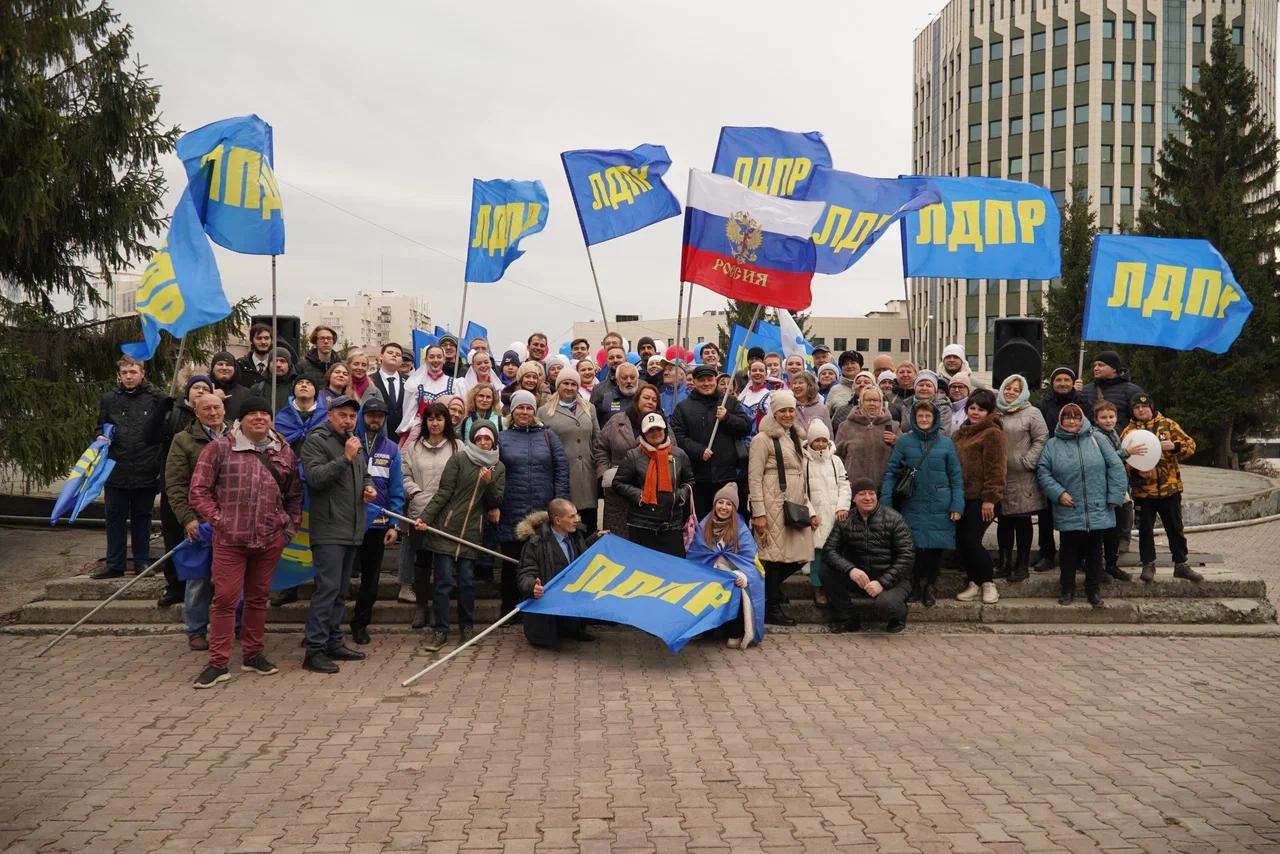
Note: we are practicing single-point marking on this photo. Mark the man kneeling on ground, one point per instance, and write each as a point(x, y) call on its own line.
point(552, 541)
point(868, 556)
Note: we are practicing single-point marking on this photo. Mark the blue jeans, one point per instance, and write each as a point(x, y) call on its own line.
point(333, 563)
point(195, 607)
point(128, 515)
point(446, 567)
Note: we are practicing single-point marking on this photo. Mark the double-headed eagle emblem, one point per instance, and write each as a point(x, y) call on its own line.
point(744, 236)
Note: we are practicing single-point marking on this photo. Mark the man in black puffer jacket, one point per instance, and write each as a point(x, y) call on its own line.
point(693, 421)
point(868, 556)
point(139, 411)
point(1111, 382)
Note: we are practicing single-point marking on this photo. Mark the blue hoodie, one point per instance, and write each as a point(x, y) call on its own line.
point(384, 468)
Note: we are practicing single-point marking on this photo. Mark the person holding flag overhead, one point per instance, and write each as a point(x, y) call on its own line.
point(247, 487)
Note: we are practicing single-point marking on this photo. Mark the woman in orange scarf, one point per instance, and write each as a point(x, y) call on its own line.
point(655, 478)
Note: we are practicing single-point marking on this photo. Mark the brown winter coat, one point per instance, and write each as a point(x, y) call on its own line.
point(983, 453)
point(615, 439)
point(1025, 434)
point(860, 443)
point(778, 542)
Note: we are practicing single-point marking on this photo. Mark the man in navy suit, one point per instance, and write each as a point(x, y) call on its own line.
point(391, 384)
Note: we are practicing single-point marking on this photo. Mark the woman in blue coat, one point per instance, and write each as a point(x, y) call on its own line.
point(537, 471)
point(938, 500)
point(1083, 476)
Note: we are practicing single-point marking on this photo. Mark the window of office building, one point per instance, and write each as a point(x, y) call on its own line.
point(1148, 154)
point(1104, 194)
point(1082, 114)
point(1015, 165)
point(975, 55)
point(840, 344)
point(1059, 197)
point(993, 168)
point(1082, 72)
point(884, 345)
point(1060, 117)
point(1126, 30)
point(1015, 85)
point(1126, 195)
point(1126, 112)
point(1106, 112)
point(1082, 31)
point(1108, 71)
point(975, 133)
point(1059, 77)
point(997, 50)
point(971, 288)
point(975, 94)
point(1015, 125)
point(1126, 71)
point(1126, 154)
point(1148, 72)
point(1149, 31)
point(1037, 40)
point(1082, 154)
point(1195, 74)
point(1017, 45)
point(1059, 158)
point(1037, 121)
point(1037, 81)
point(1037, 162)
point(997, 88)
point(1059, 36)
point(1197, 33)
point(862, 345)
point(1237, 35)
point(993, 129)
point(1108, 29)
point(1148, 113)
point(1105, 154)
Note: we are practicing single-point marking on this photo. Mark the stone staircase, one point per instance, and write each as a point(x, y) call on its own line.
point(1224, 599)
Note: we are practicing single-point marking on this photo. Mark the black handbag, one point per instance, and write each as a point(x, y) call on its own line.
point(794, 514)
point(906, 484)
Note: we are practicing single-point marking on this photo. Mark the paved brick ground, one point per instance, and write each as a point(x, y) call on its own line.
point(1254, 549)
point(869, 743)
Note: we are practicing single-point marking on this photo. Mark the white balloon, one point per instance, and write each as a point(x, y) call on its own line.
point(1150, 457)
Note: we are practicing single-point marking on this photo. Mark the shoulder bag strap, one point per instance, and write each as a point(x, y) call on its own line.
point(782, 467)
point(281, 480)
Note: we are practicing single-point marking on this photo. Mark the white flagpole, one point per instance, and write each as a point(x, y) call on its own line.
point(457, 359)
point(275, 342)
point(591, 262)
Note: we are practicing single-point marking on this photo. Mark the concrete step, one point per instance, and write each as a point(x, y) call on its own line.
point(1143, 610)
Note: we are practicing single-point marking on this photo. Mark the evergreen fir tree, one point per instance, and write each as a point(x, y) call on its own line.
point(1216, 181)
point(1064, 313)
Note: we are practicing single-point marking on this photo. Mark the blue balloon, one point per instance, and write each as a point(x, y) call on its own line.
point(566, 349)
point(633, 357)
point(697, 352)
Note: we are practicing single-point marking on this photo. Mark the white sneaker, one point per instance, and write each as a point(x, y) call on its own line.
point(990, 595)
point(407, 595)
point(734, 643)
point(968, 594)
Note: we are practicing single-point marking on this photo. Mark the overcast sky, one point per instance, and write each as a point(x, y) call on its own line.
point(389, 109)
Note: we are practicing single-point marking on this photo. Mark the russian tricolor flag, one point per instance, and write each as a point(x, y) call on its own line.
point(747, 245)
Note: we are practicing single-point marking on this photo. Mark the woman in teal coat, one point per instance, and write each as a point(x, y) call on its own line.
point(1084, 478)
point(938, 500)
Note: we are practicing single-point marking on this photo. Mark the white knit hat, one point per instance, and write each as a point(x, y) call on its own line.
point(782, 399)
point(523, 398)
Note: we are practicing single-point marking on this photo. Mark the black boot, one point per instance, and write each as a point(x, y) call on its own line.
point(423, 591)
point(1022, 568)
point(776, 616)
point(1004, 564)
point(926, 595)
point(420, 617)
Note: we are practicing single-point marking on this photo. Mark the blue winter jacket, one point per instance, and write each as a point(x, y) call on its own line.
point(1086, 467)
point(939, 484)
point(671, 397)
point(537, 471)
point(384, 468)
point(294, 427)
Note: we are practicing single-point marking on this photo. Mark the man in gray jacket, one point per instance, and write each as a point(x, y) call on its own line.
point(336, 471)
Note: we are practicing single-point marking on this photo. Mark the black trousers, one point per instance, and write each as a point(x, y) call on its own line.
point(369, 565)
point(1113, 537)
point(925, 569)
point(589, 521)
point(974, 556)
point(172, 531)
point(669, 542)
point(891, 604)
point(775, 573)
point(1080, 547)
point(507, 588)
point(1170, 512)
point(1045, 520)
point(1015, 528)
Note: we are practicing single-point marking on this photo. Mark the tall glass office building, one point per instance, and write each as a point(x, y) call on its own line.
point(1069, 94)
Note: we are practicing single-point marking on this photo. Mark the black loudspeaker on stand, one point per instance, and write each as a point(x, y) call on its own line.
point(1019, 342)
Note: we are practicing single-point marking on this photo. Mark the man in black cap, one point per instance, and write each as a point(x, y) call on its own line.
point(450, 345)
point(337, 473)
point(282, 365)
point(224, 370)
point(388, 484)
point(868, 556)
point(821, 356)
point(715, 463)
point(646, 348)
point(1111, 382)
point(841, 393)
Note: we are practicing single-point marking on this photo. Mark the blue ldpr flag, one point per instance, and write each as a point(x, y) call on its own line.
point(502, 213)
point(768, 160)
point(421, 341)
point(86, 478)
point(859, 211)
point(440, 332)
point(474, 331)
point(230, 166)
point(180, 290)
point(1165, 292)
point(193, 559)
point(983, 228)
point(618, 192)
point(767, 336)
point(295, 566)
point(615, 580)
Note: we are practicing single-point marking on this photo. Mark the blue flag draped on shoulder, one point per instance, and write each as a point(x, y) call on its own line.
point(767, 336)
point(180, 290)
point(859, 211)
point(230, 166)
point(618, 192)
point(984, 228)
point(502, 213)
point(86, 478)
point(772, 161)
point(621, 582)
point(1165, 292)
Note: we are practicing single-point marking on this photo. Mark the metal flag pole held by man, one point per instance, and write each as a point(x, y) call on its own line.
point(728, 358)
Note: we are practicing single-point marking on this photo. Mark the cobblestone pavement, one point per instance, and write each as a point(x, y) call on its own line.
point(1252, 550)
point(875, 743)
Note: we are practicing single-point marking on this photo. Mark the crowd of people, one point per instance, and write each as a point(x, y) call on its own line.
point(862, 477)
